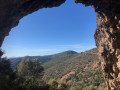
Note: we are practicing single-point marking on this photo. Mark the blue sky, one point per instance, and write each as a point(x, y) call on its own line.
point(70, 26)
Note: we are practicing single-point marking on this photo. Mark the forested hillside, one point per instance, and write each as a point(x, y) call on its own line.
point(79, 71)
point(42, 59)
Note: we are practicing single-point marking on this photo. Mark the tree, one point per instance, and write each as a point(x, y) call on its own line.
point(21, 69)
point(7, 75)
point(91, 87)
point(57, 85)
point(30, 74)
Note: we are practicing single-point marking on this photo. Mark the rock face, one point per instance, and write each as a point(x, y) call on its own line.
point(107, 34)
point(107, 37)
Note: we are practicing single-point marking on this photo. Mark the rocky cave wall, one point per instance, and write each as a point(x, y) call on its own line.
point(107, 37)
point(107, 34)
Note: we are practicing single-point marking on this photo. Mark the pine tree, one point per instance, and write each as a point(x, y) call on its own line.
point(21, 69)
point(7, 75)
point(30, 74)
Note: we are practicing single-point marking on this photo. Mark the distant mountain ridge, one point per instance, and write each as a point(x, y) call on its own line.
point(42, 59)
point(81, 71)
point(77, 62)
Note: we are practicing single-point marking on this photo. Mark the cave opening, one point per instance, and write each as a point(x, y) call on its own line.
point(56, 28)
point(67, 27)
point(106, 35)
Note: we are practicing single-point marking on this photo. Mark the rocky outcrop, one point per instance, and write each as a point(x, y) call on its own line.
point(67, 75)
point(107, 34)
point(96, 65)
point(107, 37)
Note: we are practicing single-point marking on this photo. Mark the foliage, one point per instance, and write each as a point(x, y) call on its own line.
point(30, 74)
point(42, 59)
point(57, 85)
point(6, 75)
point(70, 70)
point(84, 77)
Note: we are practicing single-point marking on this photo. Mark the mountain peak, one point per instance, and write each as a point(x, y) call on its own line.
point(70, 52)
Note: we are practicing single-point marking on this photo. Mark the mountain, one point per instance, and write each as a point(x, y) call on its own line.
point(42, 59)
point(59, 67)
point(81, 71)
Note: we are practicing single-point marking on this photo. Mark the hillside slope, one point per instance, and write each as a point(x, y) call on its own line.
point(81, 70)
point(77, 62)
point(42, 59)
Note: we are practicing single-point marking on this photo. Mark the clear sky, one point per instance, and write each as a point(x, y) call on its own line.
point(70, 26)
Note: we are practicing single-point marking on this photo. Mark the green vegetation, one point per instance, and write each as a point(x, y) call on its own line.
point(57, 85)
point(78, 70)
point(6, 75)
point(64, 71)
point(42, 59)
point(76, 63)
point(30, 74)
